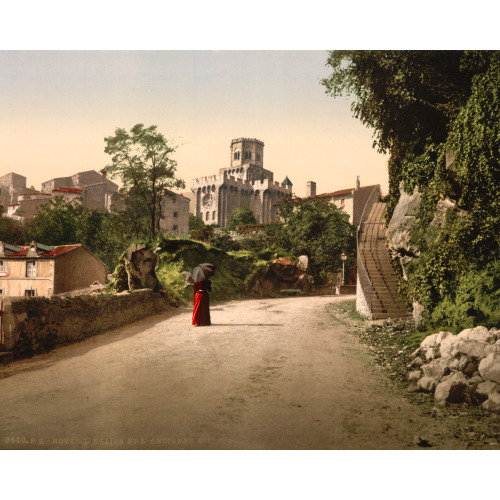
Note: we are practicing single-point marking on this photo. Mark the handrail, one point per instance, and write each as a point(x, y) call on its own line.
point(364, 279)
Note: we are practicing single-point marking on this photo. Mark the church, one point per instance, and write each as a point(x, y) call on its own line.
point(244, 183)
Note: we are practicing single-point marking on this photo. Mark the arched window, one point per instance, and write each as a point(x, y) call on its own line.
point(249, 155)
point(213, 215)
point(213, 188)
point(207, 215)
point(236, 155)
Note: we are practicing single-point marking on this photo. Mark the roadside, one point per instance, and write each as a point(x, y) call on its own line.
point(474, 427)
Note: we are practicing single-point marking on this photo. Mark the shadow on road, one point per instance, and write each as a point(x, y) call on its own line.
point(247, 324)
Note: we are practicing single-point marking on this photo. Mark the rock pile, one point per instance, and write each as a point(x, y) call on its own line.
point(278, 276)
point(459, 368)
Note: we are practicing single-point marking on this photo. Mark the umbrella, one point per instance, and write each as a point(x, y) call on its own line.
point(203, 271)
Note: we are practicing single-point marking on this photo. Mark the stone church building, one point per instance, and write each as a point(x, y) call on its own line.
point(244, 183)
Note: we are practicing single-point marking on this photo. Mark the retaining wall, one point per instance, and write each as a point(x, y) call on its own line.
point(38, 324)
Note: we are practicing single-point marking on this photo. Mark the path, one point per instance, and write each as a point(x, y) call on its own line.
point(268, 374)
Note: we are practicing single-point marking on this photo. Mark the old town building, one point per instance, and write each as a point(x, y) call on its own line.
point(174, 214)
point(43, 271)
point(244, 183)
point(351, 200)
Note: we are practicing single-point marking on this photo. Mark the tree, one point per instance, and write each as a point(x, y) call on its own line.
point(55, 223)
point(142, 159)
point(241, 216)
point(195, 223)
point(405, 96)
point(319, 230)
point(11, 231)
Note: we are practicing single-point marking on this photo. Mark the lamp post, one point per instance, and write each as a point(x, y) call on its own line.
point(343, 256)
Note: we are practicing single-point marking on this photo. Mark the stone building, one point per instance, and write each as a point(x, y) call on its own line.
point(244, 183)
point(11, 186)
point(351, 200)
point(40, 270)
point(174, 214)
point(96, 190)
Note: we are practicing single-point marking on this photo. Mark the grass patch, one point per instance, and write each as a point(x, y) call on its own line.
point(235, 271)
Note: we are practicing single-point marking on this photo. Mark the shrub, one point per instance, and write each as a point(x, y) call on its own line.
point(476, 301)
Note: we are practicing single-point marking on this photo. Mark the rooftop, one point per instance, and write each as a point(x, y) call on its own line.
point(44, 251)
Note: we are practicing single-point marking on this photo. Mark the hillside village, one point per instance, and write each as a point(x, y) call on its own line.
point(345, 317)
point(246, 183)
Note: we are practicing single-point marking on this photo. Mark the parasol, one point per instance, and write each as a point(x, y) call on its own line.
point(203, 271)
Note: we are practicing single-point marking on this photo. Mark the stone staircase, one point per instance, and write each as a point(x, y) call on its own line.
point(382, 296)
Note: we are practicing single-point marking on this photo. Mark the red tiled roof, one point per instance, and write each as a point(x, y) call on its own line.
point(14, 205)
point(341, 192)
point(67, 190)
point(56, 251)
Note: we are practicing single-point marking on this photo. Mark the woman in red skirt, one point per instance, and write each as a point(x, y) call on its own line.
point(201, 310)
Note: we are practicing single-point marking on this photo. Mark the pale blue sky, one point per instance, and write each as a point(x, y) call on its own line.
point(57, 107)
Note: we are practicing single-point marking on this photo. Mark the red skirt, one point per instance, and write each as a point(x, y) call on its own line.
point(201, 309)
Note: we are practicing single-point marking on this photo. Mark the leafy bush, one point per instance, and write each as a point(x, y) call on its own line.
point(241, 216)
point(232, 269)
point(475, 302)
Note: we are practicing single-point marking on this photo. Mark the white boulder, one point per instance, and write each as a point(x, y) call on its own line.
point(452, 347)
point(427, 384)
point(451, 390)
point(487, 387)
point(493, 402)
point(489, 367)
point(435, 369)
point(479, 333)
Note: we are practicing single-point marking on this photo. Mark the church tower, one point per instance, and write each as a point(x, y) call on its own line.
point(246, 152)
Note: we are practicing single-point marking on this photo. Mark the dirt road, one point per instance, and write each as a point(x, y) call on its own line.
point(268, 374)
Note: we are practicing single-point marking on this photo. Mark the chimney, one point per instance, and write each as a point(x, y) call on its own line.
point(357, 182)
point(103, 173)
point(310, 189)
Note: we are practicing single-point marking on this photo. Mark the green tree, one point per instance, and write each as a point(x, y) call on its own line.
point(319, 230)
point(195, 223)
point(11, 231)
point(424, 105)
point(406, 96)
point(142, 158)
point(55, 223)
point(241, 216)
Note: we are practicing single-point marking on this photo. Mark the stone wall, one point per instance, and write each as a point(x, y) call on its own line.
point(11, 186)
point(35, 325)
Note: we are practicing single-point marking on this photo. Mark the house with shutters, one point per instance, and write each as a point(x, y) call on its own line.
point(43, 271)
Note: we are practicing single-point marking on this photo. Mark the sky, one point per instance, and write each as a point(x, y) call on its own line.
point(58, 106)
